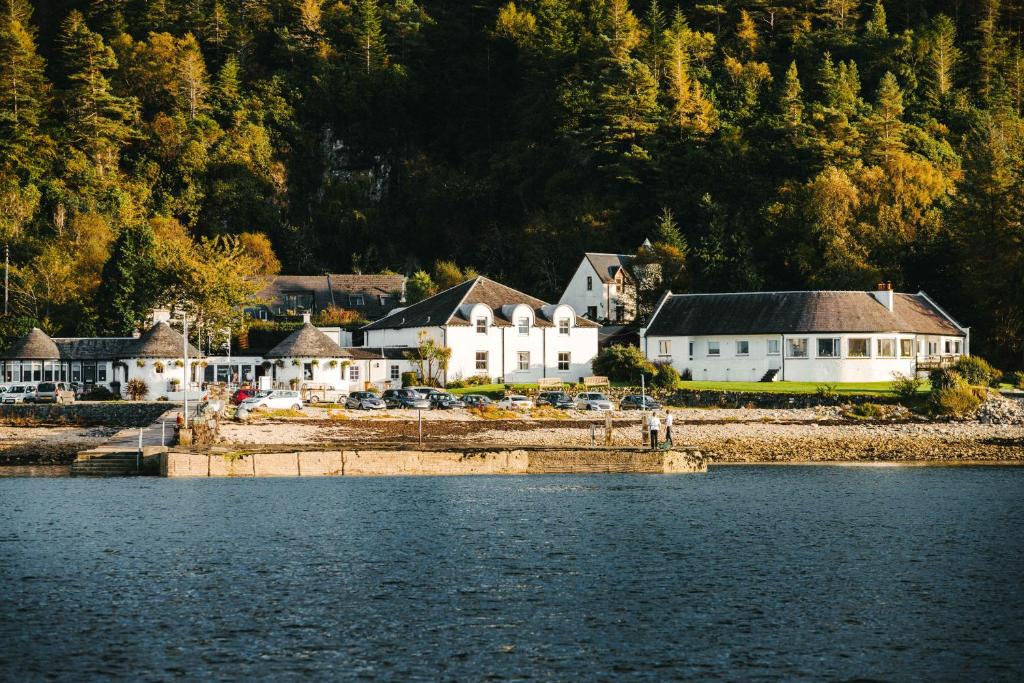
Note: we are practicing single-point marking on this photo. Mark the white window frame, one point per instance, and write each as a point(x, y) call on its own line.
point(878, 347)
point(356, 300)
point(910, 348)
point(716, 351)
point(522, 358)
point(477, 359)
point(776, 344)
point(948, 346)
point(664, 347)
point(521, 323)
point(792, 341)
point(837, 347)
point(481, 322)
point(958, 347)
point(395, 372)
point(564, 365)
point(353, 373)
point(867, 347)
point(742, 353)
point(563, 326)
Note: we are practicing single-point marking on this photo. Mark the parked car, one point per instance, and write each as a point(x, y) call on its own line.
point(404, 398)
point(476, 400)
point(442, 400)
point(241, 395)
point(515, 402)
point(54, 392)
point(279, 399)
point(638, 402)
point(422, 391)
point(593, 401)
point(20, 393)
point(364, 400)
point(555, 399)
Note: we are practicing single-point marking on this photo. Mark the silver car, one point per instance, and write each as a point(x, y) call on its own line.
point(593, 401)
point(20, 393)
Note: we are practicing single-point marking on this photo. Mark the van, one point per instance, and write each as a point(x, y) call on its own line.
point(54, 392)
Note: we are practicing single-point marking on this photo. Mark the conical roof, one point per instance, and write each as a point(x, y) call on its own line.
point(307, 342)
point(36, 345)
point(160, 341)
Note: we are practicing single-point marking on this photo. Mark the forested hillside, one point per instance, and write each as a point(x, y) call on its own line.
point(762, 145)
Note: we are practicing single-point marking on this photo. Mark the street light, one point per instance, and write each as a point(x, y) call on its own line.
point(184, 354)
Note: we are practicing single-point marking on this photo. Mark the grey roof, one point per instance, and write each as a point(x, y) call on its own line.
point(361, 353)
point(307, 342)
point(95, 348)
point(341, 290)
point(159, 341)
point(444, 308)
point(36, 345)
point(796, 312)
point(608, 265)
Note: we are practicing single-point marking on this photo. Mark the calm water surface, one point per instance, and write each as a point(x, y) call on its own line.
point(743, 573)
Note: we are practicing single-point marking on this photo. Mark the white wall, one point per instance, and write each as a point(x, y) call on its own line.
point(159, 383)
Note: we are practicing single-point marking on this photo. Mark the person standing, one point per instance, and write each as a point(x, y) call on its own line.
point(668, 429)
point(654, 424)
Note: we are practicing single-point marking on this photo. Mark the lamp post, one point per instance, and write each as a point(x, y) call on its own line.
point(184, 355)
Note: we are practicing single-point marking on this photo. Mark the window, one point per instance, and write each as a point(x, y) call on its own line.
point(691, 350)
point(563, 326)
point(742, 348)
point(356, 300)
point(524, 361)
point(886, 348)
point(101, 372)
point(664, 347)
point(222, 373)
point(524, 326)
point(592, 312)
point(949, 347)
point(353, 373)
point(829, 348)
point(298, 302)
point(920, 345)
point(481, 325)
point(307, 371)
point(714, 348)
point(933, 347)
point(76, 373)
point(620, 312)
point(247, 373)
point(481, 360)
point(208, 373)
point(773, 347)
point(957, 346)
point(395, 373)
point(590, 283)
point(906, 348)
point(563, 361)
point(858, 347)
point(386, 301)
point(796, 348)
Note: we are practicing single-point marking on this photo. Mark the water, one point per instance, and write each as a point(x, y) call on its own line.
point(744, 573)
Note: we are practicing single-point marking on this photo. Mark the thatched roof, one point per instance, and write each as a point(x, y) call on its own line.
point(307, 342)
point(36, 345)
point(160, 341)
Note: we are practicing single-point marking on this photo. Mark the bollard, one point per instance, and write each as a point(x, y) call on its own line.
point(163, 432)
point(593, 434)
point(419, 419)
point(608, 429)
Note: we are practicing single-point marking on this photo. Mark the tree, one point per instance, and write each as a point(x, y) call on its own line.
point(886, 122)
point(371, 47)
point(790, 103)
point(257, 246)
point(191, 70)
point(942, 56)
point(746, 35)
point(24, 92)
point(430, 358)
point(877, 27)
point(692, 113)
point(420, 286)
point(128, 284)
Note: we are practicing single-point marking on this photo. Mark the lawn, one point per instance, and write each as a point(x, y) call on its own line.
point(861, 388)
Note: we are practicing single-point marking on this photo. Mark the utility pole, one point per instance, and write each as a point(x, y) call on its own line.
point(184, 353)
point(7, 270)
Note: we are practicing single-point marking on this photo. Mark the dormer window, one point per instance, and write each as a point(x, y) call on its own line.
point(563, 326)
point(524, 326)
point(356, 300)
point(481, 325)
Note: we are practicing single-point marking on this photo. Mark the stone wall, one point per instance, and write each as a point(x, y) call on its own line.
point(690, 398)
point(400, 461)
point(109, 414)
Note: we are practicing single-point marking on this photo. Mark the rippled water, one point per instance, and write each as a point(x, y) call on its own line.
point(746, 572)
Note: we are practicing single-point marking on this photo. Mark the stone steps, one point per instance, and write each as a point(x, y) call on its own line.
point(104, 464)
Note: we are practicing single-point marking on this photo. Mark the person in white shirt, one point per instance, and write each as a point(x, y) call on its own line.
point(654, 424)
point(668, 429)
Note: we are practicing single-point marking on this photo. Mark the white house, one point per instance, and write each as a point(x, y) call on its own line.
point(818, 336)
point(603, 288)
point(494, 331)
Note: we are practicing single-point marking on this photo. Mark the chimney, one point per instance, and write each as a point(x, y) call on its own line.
point(305, 318)
point(884, 294)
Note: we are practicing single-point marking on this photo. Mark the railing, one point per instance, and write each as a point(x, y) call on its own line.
point(936, 362)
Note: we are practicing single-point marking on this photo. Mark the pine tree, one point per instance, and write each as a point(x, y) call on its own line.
point(790, 103)
point(228, 89)
point(746, 35)
point(876, 27)
point(990, 49)
point(24, 91)
point(942, 56)
point(692, 113)
point(655, 23)
point(128, 284)
point(371, 48)
point(191, 75)
point(98, 121)
point(886, 122)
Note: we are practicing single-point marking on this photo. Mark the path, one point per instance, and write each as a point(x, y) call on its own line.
point(118, 456)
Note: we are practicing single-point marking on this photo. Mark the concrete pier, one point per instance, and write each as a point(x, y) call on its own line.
point(402, 460)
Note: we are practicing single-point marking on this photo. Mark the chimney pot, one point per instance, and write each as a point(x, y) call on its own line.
point(305, 318)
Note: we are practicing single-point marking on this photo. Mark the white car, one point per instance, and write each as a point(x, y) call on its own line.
point(279, 399)
point(515, 402)
point(20, 393)
point(593, 401)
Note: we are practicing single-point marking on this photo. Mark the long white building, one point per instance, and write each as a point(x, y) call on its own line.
point(816, 336)
point(493, 331)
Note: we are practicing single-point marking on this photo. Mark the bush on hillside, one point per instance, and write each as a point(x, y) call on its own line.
point(665, 377)
point(977, 371)
point(623, 364)
point(957, 399)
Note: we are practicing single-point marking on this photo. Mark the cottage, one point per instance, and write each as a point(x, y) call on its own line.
point(816, 336)
point(603, 288)
point(372, 296)
point(493, 331)
point(308, 356)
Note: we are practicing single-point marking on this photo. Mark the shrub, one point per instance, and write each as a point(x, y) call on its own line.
point(1018, 379)
point(687, 375)
point(136, 389)
point(826, 391)
point(866, 411)
point(666, 377)
point(492, 412)
point(623, 364)
point(943, 378)
point(477, 381)
point(958, 399)
point(410, 379)
point(977, 371)
point(907, 387)
point(99, 394)
point(456, 384)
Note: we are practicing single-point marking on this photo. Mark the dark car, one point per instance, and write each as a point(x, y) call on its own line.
point(364, 400)
point(555, 399)
point(405, 398)
point(638, 402)
point(445, 401)
point(476, 400)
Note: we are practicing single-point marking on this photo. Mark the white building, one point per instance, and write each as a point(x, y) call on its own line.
point(494, 331)
point(603, 288)
point(820, 336)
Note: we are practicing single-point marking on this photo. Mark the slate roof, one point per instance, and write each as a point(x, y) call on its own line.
point(36, 345)
point(95, 348)
point(444, 308)
point(797, 312)
point(360, 353)
point(307, 342)
point(607, 265)
point(159, 341)
point(337, 290)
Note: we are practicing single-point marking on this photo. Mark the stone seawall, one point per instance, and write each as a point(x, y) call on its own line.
point(401, 461)
point(692, 398)
point(107, 414)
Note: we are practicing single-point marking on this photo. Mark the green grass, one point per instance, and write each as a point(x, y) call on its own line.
point(842, 388)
